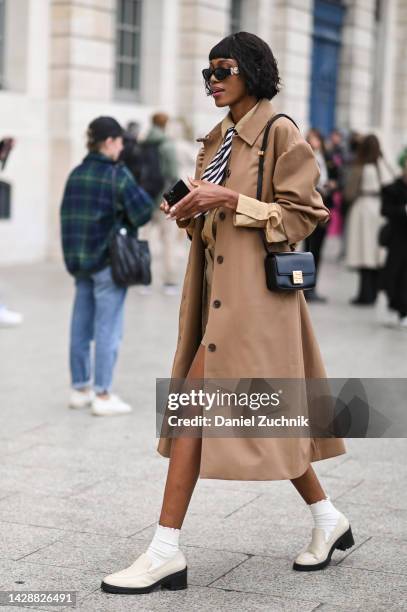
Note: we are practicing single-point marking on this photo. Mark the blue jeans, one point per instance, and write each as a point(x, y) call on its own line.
point(97, 315)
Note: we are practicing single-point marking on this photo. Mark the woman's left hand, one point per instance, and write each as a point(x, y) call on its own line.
point(203, 196)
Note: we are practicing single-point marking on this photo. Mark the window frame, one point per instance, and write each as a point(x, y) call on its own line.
point(236, 12)
point(132, 28)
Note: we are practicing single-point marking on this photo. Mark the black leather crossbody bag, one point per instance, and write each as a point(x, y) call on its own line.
point(130, 258)
point(290, 270)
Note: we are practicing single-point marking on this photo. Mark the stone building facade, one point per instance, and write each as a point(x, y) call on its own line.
point(63, 62)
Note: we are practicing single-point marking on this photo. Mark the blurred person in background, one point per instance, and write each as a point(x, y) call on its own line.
point(363, 251)
point(350, 181)
point(315, 241)
point(336, 154)
point(159, 171)
point(394, 208)
point(335, 144)
point(8, 318)
point(349, 192)
point(131, 154)
point(93, 191)
point(355, 139)
point(186, 148)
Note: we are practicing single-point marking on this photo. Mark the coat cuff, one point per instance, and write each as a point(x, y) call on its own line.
point(253, 213)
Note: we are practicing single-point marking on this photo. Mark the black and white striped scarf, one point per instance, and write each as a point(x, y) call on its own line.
point(215, 172)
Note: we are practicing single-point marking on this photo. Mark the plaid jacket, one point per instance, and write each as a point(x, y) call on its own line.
point(88, 215)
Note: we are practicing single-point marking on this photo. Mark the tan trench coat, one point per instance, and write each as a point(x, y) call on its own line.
point(255, 333)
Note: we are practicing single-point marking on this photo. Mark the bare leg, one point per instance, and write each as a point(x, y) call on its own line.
point(309, 487)
point(183, 469)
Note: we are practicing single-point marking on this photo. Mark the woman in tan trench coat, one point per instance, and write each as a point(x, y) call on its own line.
point(230, 325)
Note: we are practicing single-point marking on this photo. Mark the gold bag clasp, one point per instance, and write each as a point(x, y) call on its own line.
point(297, 277)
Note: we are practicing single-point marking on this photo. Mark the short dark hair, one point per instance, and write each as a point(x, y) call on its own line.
point(369, 150)
point(256, 62)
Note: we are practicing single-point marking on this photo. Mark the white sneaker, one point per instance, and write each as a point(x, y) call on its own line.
point(403, 323)
point(8, 318)
point(170, 289)
point(391, 319)
point(141, 577)
point(144, 290)
point(318, 553)
point(81, 399)
point(110, 407)
point(385, 315)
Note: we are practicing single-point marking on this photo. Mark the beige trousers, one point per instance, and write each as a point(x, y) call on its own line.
point(164, 246)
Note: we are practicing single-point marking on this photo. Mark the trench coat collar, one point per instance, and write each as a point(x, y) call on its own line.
point(228, 121)
point(251, 129)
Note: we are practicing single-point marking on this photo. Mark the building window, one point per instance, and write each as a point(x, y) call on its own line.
point(327, 41)
point(2, 34)
point(235, 16)
point(128, 46)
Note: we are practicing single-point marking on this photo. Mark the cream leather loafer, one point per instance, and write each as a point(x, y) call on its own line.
point(318, 553)
point(140, 577)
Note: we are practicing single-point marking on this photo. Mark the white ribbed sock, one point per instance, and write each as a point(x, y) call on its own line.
point(325, 515)
point(164, 545)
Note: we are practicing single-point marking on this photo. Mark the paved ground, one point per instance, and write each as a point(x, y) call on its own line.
point(79, 496)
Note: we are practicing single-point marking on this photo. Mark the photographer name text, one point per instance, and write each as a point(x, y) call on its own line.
point(251, 421)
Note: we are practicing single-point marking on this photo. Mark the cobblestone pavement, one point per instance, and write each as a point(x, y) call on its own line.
point(79, 496)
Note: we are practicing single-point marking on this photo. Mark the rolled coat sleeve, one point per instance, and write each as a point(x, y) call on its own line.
point(189, 224)
point(297, 206)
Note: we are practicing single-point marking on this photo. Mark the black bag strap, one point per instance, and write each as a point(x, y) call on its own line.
point(114, 192)
point(119, 212)
point(261, 162)
point(263, 150)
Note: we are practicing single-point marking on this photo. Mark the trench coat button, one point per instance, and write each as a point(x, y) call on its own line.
point(222, 215)
point(212, 347)
point(216, 303)
point(219, 259)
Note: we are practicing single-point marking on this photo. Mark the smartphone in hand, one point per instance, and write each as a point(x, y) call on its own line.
point(176, 193)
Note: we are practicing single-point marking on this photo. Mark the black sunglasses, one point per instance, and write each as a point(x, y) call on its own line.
point(220, 74)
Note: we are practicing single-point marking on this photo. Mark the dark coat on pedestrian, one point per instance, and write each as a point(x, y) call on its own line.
point(394, 207)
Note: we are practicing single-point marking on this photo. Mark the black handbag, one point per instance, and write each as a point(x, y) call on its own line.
point(130, 257)
point(285, 271)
